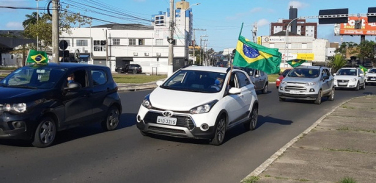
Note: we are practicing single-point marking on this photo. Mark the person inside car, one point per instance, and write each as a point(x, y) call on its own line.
point(218, 84)
point(70, 78)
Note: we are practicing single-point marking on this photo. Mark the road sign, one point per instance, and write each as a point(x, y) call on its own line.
point(333, 16)
point(371, 14)
point(63, 44)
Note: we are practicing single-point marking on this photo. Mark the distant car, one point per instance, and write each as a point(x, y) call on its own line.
point(281, 76)
point(130, 68)
point(193, 103)
point(371, 76)
point(350, 77)
point(258, 78)
point(37, 101)
point(307, 83)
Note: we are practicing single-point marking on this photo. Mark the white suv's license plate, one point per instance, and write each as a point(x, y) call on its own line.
point(373, 79)
point(342, 83)
point(166, 120)
point(294, 92)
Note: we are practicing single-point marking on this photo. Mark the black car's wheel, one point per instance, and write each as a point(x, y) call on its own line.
point(112, 119)
point(134, 71)
point(45, 133)
point(220, 131)
point(331, 96)
point(265, 90)
point(318, 98)
point(252, 122)
point(357, 87)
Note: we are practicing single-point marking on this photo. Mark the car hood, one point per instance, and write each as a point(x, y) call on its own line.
point(298, 79)
point(371, 74)
point(344, 77)
point(16, 95)
point(179, 100)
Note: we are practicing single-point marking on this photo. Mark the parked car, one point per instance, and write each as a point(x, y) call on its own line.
point(36, 101)
point(350, 77)
point(281, 76)
point(130, 68)
point(258, 78)
point(200, 102)
point(371, 76)
point(307, 83)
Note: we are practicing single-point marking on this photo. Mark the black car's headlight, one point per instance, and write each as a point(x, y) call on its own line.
point(204, 108)
point(17, 108)
point(146, 102)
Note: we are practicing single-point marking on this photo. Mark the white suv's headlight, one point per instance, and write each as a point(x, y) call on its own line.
point(204, 108)
point(354, 79)
point(18, 108)
point(146, 102)
point(311, 83)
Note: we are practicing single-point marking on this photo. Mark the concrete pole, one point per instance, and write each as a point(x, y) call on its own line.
point(37, 25)
point(171, 39)
point(55, 31)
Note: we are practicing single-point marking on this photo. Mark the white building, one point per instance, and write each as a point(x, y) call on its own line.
point(115, 45)
point(298, 47)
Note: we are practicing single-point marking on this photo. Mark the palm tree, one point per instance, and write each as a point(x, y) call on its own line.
point(30, 19)
point(337, 62)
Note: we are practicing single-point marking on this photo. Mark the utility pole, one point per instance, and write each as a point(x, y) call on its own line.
point(171, 40)
point(37, 25)
point(194, 41)
point(201, 61)
point(254, 32)
point(55, 31)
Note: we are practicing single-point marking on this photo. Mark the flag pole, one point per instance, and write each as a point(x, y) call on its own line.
point(231, 62)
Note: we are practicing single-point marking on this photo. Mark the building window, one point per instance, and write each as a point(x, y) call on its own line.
point(304, 45)
point(99, 45)
point(116, 41)
point(132, 41)
point(81, 43)
point(159, 42)
point(271, 45)
point(141, 41)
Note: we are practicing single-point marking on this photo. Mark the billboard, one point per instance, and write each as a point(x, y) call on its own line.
point(349, 27)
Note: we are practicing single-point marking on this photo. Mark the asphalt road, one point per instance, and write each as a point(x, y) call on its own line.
point(87, 154)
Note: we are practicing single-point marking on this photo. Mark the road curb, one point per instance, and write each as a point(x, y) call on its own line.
point(277, 154)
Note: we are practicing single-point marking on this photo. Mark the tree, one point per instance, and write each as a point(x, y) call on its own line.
point(337, 62)
point(344, 47)
point(30, 19)
point(366, 50)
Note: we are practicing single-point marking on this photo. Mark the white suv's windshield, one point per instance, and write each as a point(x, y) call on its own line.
point(304, 73)
point(372, 71)
point(195, 81)
point(33, 77)
point(348, 72)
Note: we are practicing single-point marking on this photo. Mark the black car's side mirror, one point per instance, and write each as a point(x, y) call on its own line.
point(73, 86)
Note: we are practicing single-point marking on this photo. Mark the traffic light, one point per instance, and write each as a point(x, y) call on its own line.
point(358, 24)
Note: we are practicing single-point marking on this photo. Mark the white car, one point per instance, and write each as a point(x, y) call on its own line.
point(371, 76)
point(193, 104)
point(350, 78)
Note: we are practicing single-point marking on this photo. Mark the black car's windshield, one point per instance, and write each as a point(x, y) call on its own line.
point(347, 72)
point(195, 81)
point(372, 71)
point(33, 77)
point(304, 73)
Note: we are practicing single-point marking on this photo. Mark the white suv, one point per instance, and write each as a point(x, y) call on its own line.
point(350, 78)
point(371, 76)
point(193, 103)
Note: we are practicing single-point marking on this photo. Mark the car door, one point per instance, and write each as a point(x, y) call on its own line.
point(324, 81)
point(100, 90)
point(78, 103)
point(234, 102)
point(360, 76)
point(330, 81)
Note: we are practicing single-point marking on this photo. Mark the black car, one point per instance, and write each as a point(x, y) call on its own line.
point(36, 101)
point(130, 68)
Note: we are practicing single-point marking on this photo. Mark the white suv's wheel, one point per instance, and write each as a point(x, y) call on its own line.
point(252, 122)
point(331, 96)
point(364, 86)
point(318, 99)
point(220, 131)
point(265, 90)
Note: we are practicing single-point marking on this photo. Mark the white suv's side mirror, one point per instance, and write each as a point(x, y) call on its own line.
point(361, 74)
point(334, 74)
point(234, 91)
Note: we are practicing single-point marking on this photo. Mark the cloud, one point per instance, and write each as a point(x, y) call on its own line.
point(262, 22)
point(297, 4)
point(14, 25)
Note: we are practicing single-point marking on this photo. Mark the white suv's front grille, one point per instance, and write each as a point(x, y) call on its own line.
point(342, 82)
point(296, 88)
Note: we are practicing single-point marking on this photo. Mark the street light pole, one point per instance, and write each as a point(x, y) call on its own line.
point(170, 68)
point(189, 29)
point(286, 37)
point(37, 24)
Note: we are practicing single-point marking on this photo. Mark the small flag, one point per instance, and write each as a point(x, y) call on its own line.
point(252, 55)
point(37, 57)
point(363, 68)
point(296, 62)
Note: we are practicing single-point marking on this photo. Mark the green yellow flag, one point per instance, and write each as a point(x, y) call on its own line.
point(363, 68)
point(37, 57)
point(252, 55)
point(296, 62)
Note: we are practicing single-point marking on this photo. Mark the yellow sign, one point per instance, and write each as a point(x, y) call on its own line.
point(259, 40)
point(305, 56)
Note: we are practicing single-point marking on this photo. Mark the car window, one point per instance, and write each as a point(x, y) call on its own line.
point(99, 77)
point(79, 76)
point(360, 72)
point(304, 73)
point(349, 72)
point(242, 79)
point(285, 72)
point(372, 71)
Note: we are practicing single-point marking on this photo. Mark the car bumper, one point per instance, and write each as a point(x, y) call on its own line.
point(186, 126)
point(16, 126)
point(298, 96)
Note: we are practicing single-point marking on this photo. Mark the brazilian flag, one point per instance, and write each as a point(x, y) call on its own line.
point(363, 68)
point(252, 55)
point(296, 62)
point(38, 57)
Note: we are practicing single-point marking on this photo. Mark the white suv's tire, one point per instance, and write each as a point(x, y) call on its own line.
point(331, 96)
point(357, 87)
point(220, 131)
point(252, 122)
point(318, 99)
point(265, 90)
point(364, 86)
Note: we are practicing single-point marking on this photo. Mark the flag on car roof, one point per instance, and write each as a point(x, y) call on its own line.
point(363, 68)
point(37, 57)
point(252, 55)
point(296, 62)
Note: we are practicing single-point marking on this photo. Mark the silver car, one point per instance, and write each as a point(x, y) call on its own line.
point(307, 83)
point(258, 78)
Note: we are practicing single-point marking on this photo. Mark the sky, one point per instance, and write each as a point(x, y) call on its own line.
point(221, 19)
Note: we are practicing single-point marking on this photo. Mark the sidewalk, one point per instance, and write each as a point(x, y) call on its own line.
point(339, 145)
point(135, 87)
